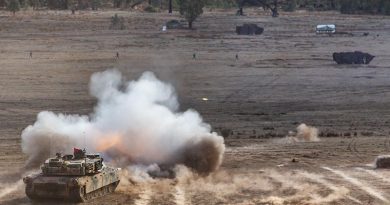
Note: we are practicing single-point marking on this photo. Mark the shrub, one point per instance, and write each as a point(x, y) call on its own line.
point(384, 7)
point(173, 24)
point(95, 4)
point(151, 9)
point(13, 6)
point(191, 9)
point(117, 23)
point(221, 3)
point(290, 6)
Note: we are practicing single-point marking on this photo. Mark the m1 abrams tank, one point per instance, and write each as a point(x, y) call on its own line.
point(78, 178)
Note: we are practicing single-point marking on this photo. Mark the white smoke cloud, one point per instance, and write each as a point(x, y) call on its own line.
point(6, 189)
point(133, 122)
point(304, 133)
point(307, 133)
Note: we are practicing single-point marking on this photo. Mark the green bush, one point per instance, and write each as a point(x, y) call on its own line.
point(23, 3)
point(290, 6)
point(34, 3)
point(57, 4)
point(13, 6)
point(221, 3)
point(173, 24)
point(310, 8)
point(348, 6)
point(191, 9)
point(365, 6)
point(96, 4)
point(117, 23)
point(384, 7)
point(151, 9)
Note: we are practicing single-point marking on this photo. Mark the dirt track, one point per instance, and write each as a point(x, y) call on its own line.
point(282, 78)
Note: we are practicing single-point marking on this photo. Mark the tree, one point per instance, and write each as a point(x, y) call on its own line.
point(290, 5)
point(191, 9)
point(117, 23)
point(384, 7)
point(35, 4)
point(117, 3)
point(13, 6)
point(95, 4)
point(274, 9)
point(170, 6)
point(266, 4)
point(57, 4)
point(23, 3)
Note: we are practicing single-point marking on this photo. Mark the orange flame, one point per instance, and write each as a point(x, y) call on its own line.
point(107, 142)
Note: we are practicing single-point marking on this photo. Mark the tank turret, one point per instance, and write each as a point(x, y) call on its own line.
point(78, 164)
point(78, 177)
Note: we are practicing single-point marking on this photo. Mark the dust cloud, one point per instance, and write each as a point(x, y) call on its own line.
point(304, 133)
point(8, 188)
point(307, 133)
point(134, 123)
point(270, 186)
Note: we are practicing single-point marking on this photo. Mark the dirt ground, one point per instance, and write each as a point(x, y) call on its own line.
point(282, 78)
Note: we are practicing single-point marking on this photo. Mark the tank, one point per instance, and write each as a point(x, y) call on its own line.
point(382, 162)
point(78, 178)
point(326, 28)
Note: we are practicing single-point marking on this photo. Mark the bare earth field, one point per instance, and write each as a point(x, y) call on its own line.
point(282, 78)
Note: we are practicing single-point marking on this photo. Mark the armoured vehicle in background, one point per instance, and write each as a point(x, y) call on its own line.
point(326, 28)
point(382, 162)
point(78, 178)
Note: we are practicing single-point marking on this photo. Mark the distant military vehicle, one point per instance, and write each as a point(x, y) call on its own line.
point(382, 161)
point(78, 178)
point(249, 29)
point(174, 24)
point(356, 57)
point(326, 28)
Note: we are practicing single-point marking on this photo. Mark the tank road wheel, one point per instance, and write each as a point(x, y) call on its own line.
point(102, 191)
point(89, 196)
point(30, 192)
point(82, 195)
point(113, 186)
point(116, 184)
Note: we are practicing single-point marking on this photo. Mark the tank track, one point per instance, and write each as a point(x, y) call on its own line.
point(77, 195)
point(81, 196)
point(29, 192)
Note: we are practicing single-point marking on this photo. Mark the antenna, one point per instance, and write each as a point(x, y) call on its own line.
point(51, 145)
point(85, 141)
point(85, 146)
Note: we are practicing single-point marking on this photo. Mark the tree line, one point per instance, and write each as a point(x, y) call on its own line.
point(344, 6)
point(88, 4)
point(190, 9)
